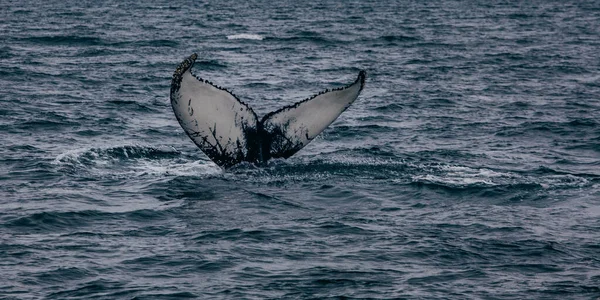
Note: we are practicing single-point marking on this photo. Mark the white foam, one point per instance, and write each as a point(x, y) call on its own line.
point(465, 176)
point(245, 36)
point(72, 154)
point(460, 176)
point(169, 168)
point(98, 161)
point(454, 180)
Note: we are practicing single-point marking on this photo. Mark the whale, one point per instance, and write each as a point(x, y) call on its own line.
point(229, 132)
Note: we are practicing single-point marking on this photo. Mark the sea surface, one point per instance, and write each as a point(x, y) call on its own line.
point(469, 167)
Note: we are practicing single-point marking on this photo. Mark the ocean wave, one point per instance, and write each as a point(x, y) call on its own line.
point(133, 160)
point(245, 36)
point(148, 43)
point(373, 164)
point(461, 177)
point(74, 221)
point(210, 65)
point(116, 152)
point(397, 38)
point(383, 165)
point(312, 39)
point(5, 52)
point(54, 220)
point(69, 40)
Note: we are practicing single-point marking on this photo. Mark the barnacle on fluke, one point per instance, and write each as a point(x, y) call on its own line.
point(228, 131)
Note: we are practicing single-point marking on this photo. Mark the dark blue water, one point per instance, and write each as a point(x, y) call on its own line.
point(469, 168)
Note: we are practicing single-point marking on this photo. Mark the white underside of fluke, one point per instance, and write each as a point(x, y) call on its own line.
point(299, 123)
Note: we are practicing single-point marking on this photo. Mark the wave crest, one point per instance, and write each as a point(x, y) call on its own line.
point(133, 160)
point(245, 36)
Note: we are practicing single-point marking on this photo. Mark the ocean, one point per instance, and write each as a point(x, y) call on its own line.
point(469, 167)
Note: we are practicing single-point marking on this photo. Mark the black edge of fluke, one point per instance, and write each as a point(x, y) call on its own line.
point(185, 65)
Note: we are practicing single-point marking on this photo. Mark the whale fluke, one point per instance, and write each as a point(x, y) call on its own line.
point(228, 131)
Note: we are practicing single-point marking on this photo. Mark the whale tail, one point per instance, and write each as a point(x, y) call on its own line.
point(228, 131)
